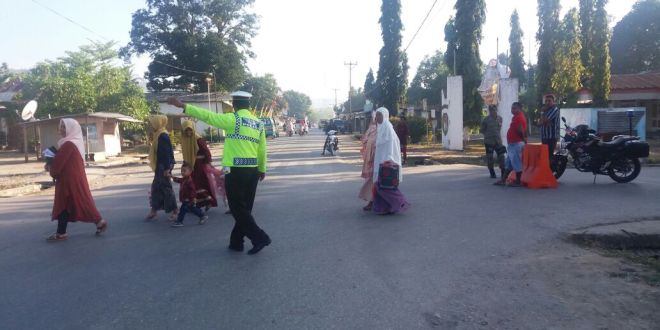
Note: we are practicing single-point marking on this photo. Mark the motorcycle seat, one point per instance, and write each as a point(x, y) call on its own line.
point(617, 141)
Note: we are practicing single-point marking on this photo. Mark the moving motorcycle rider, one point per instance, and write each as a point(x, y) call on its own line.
point(331, 135)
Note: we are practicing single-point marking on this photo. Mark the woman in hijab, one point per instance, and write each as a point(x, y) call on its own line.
point(161, 161)
point(209, 181)
point(73, 200)
point(368, 151)
point(388, 199)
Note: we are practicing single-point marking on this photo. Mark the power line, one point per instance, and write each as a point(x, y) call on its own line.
point(421, 25)
point(71, 20)
point(106, 39)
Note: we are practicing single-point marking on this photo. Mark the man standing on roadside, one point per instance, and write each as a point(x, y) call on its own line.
point(244, 162)
point(491, 127)
point(516, 138)
point(549, 124)
point(402, 132)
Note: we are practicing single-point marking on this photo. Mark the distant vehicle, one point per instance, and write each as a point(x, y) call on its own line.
point(337, 125)
point(323, 123)
point(269, 127)
point(301, 127)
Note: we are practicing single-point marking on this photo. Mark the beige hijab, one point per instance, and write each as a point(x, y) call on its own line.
point(73, 134)
point(159, 124)
point(189, 145)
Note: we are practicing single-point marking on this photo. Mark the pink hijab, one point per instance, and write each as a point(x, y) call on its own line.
point(73, 134)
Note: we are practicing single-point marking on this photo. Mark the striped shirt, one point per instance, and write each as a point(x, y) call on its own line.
point(551, 129)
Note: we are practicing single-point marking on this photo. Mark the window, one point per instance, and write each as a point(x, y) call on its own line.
point(91, 129)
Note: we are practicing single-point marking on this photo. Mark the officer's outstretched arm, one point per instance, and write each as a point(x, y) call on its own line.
point(225, 121)
point(261, 152)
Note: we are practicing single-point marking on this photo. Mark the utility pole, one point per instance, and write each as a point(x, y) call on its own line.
point(350, 83)
point(335, 108)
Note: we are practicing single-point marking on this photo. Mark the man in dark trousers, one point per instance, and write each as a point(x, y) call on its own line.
point(402, 133)
point(244, 162)
point(491, 128)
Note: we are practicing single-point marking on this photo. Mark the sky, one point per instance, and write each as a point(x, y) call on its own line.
point(304, 43)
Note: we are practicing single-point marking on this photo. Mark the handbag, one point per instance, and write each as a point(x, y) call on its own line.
point(388, 176)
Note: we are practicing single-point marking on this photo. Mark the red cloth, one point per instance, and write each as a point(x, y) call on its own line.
point(71, 188)
point(187, 191)
point(402, 132)
point(512, 135)
point(202, 176)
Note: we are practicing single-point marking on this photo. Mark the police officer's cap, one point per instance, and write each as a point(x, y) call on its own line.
point(240, 95)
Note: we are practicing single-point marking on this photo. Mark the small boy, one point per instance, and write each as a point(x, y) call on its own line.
point(187, 193)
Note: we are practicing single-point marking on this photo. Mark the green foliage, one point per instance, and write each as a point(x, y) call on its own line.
point(299, 104)
point(370, 85)
point(529, 97)
point(587, 34)
point(636, 39)
point(516, 59)
point(548, 37)
point(265, 91)
point(429, 81)
point(4, 72)
point(600, 70)
point(357, 101)
point(450, 38)
point(565, 80)
point(85, 81)
point(417, 128)
point(199, 35)
point(391, 69)
point(470, 17)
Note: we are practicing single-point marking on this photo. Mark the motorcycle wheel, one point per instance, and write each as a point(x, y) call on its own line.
point(558, 165)
point(624, 170)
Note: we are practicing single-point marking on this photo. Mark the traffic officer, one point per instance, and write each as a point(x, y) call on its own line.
point(244, 162)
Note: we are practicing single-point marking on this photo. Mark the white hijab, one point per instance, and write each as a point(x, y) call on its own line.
point(388, 146)
point(73, 134)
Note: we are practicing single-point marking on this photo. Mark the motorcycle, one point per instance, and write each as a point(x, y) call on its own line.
point(331, 143)
point(619, 159)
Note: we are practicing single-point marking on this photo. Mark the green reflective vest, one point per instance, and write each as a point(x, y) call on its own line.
point(245, 142)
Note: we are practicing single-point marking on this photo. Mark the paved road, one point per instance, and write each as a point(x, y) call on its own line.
point(468, 255)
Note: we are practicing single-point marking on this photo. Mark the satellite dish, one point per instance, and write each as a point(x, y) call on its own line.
point(29, 110)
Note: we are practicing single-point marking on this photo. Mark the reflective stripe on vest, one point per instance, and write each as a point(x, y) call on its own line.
point(237, 128)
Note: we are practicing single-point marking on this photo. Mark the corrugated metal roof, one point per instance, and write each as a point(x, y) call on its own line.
point(650, 80)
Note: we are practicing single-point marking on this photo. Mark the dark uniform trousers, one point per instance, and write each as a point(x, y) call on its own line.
point(241, 185)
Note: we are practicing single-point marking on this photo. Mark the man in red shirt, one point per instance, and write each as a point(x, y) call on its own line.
point(516, 138)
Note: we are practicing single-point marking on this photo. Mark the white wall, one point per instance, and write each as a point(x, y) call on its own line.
point(453, 139)
point(508, 90)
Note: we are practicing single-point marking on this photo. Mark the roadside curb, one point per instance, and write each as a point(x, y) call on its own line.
point(644, 234)
point(20, 191)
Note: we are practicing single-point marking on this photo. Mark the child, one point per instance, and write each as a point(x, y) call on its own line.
point(187, 193)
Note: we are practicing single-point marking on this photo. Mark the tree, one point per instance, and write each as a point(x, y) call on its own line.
point(470, 17)
point(429, 81)
point(452, 44)
point(370, 85)
point(516, 59)
point(265, 91)
point(85, 81)
point(636, 39)
point(547, 35)
point(358, 99)
point(390, 68)
point(4, 72)
point(565, 80)
point(587, 33)
point(299, 103)
point(403, 81)
point(207, 36)
point(601, 61)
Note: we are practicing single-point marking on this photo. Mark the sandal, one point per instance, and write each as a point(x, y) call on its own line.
point(150, 216)
point(369, 207)
point(173, 217)
point(101, 227)
point(57, 237)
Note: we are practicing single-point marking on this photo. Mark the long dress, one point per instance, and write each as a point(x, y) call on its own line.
point(388, 152)
point(162, 194)
point(368, 151)
point(72, 192)
point(204, 176)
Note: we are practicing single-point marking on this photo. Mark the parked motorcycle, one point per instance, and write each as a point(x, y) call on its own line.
point(331, 144)
point(619, 159)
